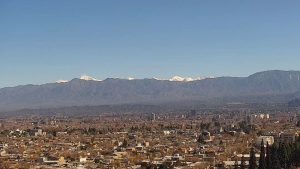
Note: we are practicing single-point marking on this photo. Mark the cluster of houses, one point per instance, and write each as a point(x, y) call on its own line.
point(196, 141)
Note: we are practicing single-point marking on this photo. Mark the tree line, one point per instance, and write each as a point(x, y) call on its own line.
point(280, 155)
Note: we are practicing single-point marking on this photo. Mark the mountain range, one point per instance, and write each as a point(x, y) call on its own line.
point(269, 86)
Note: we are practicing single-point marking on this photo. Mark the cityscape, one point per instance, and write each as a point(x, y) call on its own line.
point(213, 138)
point(160, 84)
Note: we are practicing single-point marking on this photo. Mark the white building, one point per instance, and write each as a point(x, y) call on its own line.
point(266, 139)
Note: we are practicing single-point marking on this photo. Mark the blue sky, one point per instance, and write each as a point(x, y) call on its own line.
point(44, 41)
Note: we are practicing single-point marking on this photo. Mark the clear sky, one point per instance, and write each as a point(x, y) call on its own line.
point(44, 41)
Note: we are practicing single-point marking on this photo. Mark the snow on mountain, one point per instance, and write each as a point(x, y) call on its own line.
point(177, 79)
point(273, 86)
point(88, 78)
point(155, 78)
point(62, 81)
point(173, 79)
point(187, 79)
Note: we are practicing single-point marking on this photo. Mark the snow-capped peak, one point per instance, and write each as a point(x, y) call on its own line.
point(173, 79)
point(62, 81)
point(177, 79)
point(187, 79)
point(130, 78)
point(88, 78)
point(155, 78)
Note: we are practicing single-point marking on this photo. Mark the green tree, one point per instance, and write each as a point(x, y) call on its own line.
point(297, 154)
point(274, 157)
point(125, 143)
point(262, 158)
point(283, 155)
point(236, 164)
point(252, 160)
point(268, 157)
point(243, 165)
point(200, 139)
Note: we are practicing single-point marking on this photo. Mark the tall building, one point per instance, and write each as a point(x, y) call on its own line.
point(153, 117)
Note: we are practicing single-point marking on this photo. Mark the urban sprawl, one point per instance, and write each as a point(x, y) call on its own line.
point(188, 139)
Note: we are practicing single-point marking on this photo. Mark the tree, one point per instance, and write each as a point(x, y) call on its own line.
point(236, 165)
point(125, 143)
point(243, 165)
point(262, 158)
point(200, 139)
point(283, 155)
point(274, 157)
point(92, 131)
point(252, 160)
point(268, 157)
point(297, 153)
point(289, 151)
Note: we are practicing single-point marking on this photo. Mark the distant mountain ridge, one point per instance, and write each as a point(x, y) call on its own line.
point(276, 85)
